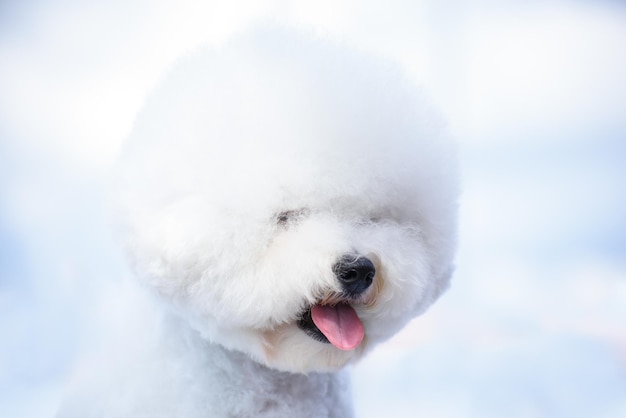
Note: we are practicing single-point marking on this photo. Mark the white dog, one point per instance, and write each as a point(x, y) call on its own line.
point(293, 204)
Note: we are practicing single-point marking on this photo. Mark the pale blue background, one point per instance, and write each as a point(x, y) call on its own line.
point(535, 322)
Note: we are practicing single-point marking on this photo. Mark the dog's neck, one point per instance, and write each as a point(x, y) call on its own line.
point(232, 384)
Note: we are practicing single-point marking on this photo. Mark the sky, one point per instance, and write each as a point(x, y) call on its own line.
point(533, 324)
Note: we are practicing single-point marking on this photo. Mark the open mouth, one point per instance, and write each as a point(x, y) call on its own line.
point(336, 324)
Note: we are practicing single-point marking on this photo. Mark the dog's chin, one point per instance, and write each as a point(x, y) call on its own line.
point(291, 348)
point(302, 346)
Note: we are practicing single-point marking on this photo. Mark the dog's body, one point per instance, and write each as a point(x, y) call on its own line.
point(294, 204)
point(168, 370)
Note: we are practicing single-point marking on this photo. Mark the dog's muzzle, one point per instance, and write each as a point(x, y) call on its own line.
point(336, 322)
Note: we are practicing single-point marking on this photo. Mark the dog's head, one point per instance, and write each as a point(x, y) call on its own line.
point(292, 199)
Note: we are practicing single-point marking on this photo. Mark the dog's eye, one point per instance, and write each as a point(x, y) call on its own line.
point(290, 216)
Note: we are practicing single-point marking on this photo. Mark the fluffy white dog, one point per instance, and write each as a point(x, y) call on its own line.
point(293, 204)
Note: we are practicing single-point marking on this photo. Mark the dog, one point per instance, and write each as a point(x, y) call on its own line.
point(289, 203)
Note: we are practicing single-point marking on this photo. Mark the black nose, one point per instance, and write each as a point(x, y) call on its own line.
point(354, 273)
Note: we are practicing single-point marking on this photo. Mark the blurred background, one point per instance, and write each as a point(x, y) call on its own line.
point(534, 324)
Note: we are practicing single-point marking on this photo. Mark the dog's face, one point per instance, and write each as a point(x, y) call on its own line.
point(292, 199)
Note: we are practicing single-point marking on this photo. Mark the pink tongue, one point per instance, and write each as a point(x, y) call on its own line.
point(340, 324)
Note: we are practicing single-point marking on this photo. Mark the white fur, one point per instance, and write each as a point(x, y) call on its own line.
point(274, 122)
